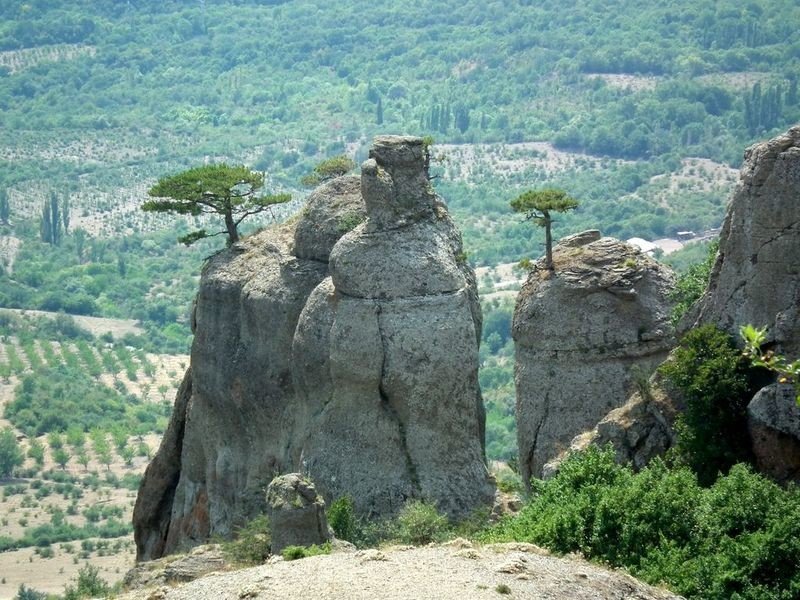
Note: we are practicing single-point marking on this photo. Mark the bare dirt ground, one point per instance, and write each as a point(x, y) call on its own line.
point(465, 161)
point(96, 325)
point(52, 574)
point(458, 570)
point(624, 81)
point(18, 60)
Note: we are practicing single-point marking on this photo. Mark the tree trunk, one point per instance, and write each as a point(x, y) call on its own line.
point(233, 234)
point(548, 240)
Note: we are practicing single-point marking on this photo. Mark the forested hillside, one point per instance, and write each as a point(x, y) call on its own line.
point(98, 97)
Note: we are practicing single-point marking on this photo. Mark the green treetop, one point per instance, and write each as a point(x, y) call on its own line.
point(330, 168)
point(232, 192)
point(537, 206)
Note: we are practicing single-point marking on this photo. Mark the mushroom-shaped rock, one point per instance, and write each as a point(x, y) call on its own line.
point(581, 332)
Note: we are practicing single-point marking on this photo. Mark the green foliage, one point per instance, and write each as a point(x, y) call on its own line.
point(26, 593)
point(231, 192)
point(10, 453)
point(537, 206)
point(692, 283)
point(297, 552)
point(420, 523)
point(252, 543)
point(713, 378)
point(736, 539)
point(342, 518)
point(36, 452)
point(786, 370)
point(56, 399)
point(88, 585)
point(330, 168)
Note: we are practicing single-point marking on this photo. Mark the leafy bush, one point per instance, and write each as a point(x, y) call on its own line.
point(296, 552)
point(716, 383)
point(420, 523)
point(692, 283)
point(88, 585)
point(739, 538)
point(252, 543)
point(342, 519)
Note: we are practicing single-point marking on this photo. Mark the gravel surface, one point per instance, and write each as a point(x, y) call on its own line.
point(458, 570)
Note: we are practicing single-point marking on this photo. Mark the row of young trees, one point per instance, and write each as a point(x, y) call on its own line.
point(55, 219)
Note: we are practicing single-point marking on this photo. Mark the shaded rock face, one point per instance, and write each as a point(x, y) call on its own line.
point(756, 278)
point(361, 371)
point(296, 513)
point(773, 420)
point(638, 431)
point(581, 333)
point(234, 419)
point(385, 352)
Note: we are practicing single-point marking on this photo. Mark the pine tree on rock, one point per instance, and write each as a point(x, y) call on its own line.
point(538, 206)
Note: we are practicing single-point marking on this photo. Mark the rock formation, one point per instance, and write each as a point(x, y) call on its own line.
point(583, 333)
point(234, 418)
point(363, 374)
point(296, 513)
point(385, 352)
point(756, 280)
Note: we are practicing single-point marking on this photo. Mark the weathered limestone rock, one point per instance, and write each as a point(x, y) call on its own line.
point(385, 352)
point(176, 569)
point(582, 332)
point(773, 419)
point(362, 374)
point(234, 420)
point(296, 513)
point(756, 278)
point(638, 431)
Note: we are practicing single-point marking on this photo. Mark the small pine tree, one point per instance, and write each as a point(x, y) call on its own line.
point(537, 206)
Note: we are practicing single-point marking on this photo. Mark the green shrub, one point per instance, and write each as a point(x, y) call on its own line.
point(296, 552)
point(420, 523)
point(252, 543)
point(342, 519)
point(716, 383)
point(739, 538)
point(89, 585)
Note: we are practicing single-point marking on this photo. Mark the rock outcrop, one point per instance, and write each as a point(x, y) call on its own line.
point(385, 352)
point(363, 374)
point(234, 418)
point(638, 431)
point(583, 333)
point(296, 513)
point(756, 280)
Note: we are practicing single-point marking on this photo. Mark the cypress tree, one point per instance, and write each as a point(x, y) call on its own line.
point(45, 225)
point(5, 208)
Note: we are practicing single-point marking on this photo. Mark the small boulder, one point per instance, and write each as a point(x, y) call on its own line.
point(296, 513)
point(773, 419)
